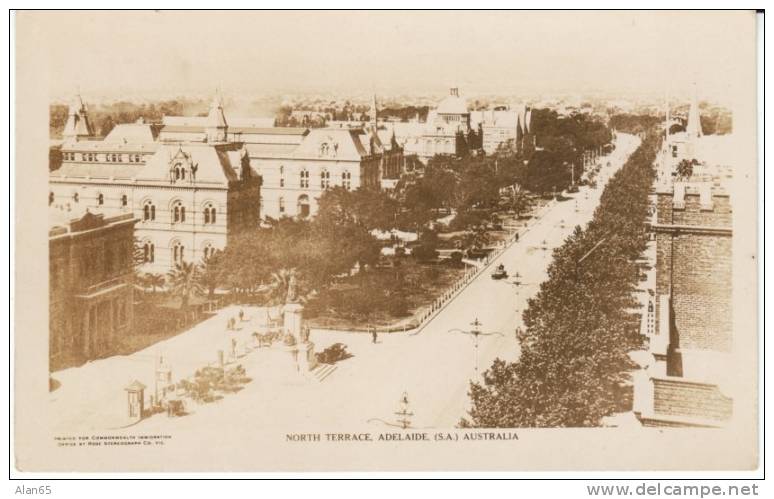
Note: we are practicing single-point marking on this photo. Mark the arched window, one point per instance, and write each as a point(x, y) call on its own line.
point(75, 197)
point(324, 149)
point(304, 178)
point(124, 200)
point(148, 252)
point(178, 212)
point(208, 251)
point(303, 206)
point(136, 158)
point(325, 179)
point(282, 205)
point(178, 253)
point(209, 213)
point(50, 198)
point(148, 211)
point(346, 180)
point(100, 199)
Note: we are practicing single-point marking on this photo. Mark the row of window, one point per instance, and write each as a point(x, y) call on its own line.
point(100, 199)
point(177, 252)
point(108, 157)
point(325, 179)
point(177, 212)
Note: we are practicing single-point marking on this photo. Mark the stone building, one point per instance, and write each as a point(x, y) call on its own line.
point(502, 127)
point(297, 164)
point(295, 177)
point(690, 315)
point(438, 135)
point(189, 194)
point(90, 284)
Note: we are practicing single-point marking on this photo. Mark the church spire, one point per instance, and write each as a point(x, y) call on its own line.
point(78, 125)
point(374, 111)
point(216, 120)
point(693, 128)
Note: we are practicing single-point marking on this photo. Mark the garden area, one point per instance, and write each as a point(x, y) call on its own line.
point(382, 296)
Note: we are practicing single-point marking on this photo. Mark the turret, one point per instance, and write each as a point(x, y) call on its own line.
point(693, 128)
point(216, 122)
point(78, 125)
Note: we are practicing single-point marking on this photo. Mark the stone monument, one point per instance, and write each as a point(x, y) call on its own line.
point(292, 317)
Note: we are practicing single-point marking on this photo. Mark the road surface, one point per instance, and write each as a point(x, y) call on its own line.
point(434, 367)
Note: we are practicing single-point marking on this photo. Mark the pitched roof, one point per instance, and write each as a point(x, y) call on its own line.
point(213, 163)
point(270, 150)
point(132, 133)
point(185, 121)
point(271, 130)
point(97, 171)
point(252, 122)
point(332, 143)
point(98, 145)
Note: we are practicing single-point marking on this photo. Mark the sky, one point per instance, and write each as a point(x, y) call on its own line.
point(178, 53)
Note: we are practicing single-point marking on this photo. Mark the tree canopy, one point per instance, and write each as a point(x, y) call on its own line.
point(578, 330)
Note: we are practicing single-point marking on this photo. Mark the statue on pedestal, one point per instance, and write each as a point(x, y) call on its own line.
point(292, 295)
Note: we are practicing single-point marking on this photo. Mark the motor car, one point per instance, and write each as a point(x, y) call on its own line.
point(499, 272)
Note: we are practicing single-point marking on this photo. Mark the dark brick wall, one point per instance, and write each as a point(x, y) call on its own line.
point(696, 266)
point(694, 400)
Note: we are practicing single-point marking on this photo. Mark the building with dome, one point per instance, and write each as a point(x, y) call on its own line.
point(438, 135)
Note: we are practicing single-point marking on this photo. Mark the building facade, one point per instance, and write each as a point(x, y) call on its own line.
point(294, 179)
point(188, 194)
point(439, 134)
point(90, 287)
point(502, 127)
point(689, 318)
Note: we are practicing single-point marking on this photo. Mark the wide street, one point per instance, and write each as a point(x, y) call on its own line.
point(433, 367)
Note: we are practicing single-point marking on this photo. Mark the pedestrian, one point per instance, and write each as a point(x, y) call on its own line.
point(373, 335)
point(241, 315)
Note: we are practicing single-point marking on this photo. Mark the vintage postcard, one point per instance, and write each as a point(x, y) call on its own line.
point(385, 241)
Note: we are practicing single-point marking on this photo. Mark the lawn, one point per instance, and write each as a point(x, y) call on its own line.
point(381, 297)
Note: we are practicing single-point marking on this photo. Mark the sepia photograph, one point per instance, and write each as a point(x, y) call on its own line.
point(386, 241)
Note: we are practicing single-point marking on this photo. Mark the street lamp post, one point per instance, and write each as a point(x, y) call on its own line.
point(475, 332)
point(403, 412)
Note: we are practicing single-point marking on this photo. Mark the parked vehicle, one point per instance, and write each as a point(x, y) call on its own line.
point(499, 272)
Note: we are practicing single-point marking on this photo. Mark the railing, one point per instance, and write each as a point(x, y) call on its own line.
point(103, 285)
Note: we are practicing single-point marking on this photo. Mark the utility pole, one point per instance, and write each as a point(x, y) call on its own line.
point(404, 422)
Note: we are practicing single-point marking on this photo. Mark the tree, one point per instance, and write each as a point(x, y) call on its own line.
point(106, 125)
point(209, 273)
point(578, 329)
point(518, 200)
point(477, 238)
point(153, 281)
point(184, 282)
